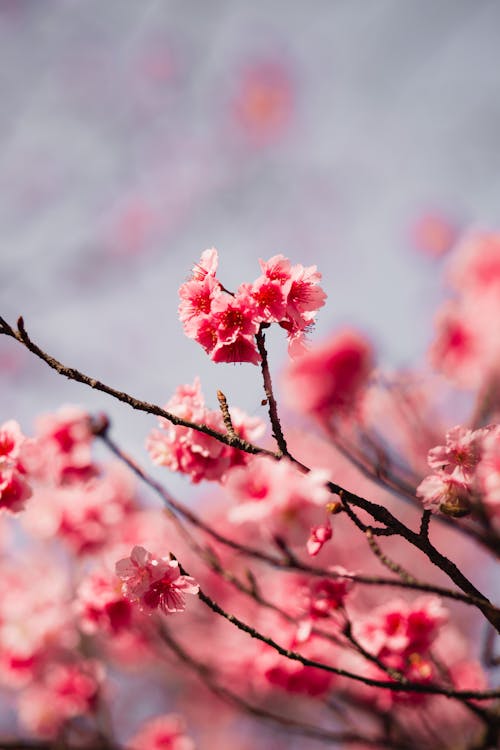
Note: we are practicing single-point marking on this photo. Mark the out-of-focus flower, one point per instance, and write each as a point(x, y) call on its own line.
point(66, 691)
point(328, 380)
point(162, 733)
point(194, 453)
point(14, 487)
point(320, 535)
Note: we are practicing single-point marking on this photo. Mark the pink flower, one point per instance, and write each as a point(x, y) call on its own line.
point(154, 583)
point(197, 299)
point(11, 442)
point(320, 535)
point(227, 332)
point(207, 265)
point(191, 452)
point(488, 474)
point(476, 266)
point(277, 268)
point(14, 488)
point(101, 606)
point(305, 296)
point(447, 493)
point(225, 324)
point(67, 691)
point(277, 497)
point(460, 454)
point(162, 733)
point(269, 296)
point(328, 380)
point(401, 628)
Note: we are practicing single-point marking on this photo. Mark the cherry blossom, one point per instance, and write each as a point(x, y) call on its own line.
point(277, 497)
point(319, 536)
point(225, 324)
point(327, 381)
point(66, 691)
point(195, 453)
point(162, 733)
point(14, 486)
point(154, 583)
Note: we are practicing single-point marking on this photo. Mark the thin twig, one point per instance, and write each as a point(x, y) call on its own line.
point(289, 724)
point(21, 335)
point(377, 512)
point(226, 416)
point(271, 560)
point(268, 389)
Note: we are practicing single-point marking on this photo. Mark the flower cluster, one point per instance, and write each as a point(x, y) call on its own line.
point(279, 499)
point(400, 635)
point(467, 466)
point(194, 453)
point(467, 348)
point(225, 324)
point(14, 489)
point(154, 582)
point(68, 691)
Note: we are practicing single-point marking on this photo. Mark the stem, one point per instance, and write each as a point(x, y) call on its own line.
point(291, 725)
point(268, 389)
point(271, 560)
point(404, 686)
point(21, 335)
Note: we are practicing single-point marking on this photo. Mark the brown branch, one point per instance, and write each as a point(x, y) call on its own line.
point(289, 724)
point(385, 517)
point(378, 512)
point(268, 389)
point(407, 686)
point(226, 416)
point(268, 559)
point(394, 567)
point(21, 335)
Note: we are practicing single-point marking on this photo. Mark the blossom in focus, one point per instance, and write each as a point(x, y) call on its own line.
point(225, 324)
point(328, 380)
point(154, 583)
point(451, 487)
point(162, 733)
point(459, 455)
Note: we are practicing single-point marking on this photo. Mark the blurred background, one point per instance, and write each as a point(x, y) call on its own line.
point(359, 136)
